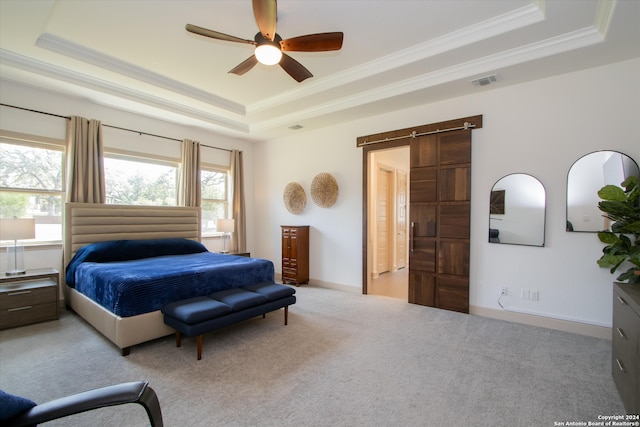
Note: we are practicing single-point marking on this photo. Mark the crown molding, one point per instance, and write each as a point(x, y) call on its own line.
point(510, 21)
point(67, 48)
point(12, 59)
point(554, 45)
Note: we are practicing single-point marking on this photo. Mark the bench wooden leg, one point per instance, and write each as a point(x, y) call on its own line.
point(286, 314)
point(199, 338)
point(177, 339)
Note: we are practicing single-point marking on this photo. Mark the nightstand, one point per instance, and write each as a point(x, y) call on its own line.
point(29, 298)
point(245, 254)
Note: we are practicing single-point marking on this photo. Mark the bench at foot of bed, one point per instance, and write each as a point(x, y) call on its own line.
point(199, 315)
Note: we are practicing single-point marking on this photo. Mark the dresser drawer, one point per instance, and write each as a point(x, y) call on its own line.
point(21, 297)
point(27, 314)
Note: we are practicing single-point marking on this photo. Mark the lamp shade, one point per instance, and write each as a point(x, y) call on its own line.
point(226, 225)
point(268, 54)
point(17, 229)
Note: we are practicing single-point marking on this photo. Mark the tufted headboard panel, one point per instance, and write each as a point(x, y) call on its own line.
point(86, 223)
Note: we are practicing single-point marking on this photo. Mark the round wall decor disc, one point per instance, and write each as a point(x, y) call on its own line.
point(324, 190)
point(294, 198)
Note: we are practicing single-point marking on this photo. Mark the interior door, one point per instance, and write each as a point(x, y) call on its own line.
point(401, 222)
point(383, 221)
point(439, 211)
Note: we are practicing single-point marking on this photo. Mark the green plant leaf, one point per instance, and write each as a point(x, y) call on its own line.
point(607, 237)
point(608, 260)
point(612, 192)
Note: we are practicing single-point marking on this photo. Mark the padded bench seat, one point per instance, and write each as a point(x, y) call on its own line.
point(199, 315)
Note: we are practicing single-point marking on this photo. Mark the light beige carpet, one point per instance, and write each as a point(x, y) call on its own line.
point(343, 360)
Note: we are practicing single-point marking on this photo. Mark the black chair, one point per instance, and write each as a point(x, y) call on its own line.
point(135, 392)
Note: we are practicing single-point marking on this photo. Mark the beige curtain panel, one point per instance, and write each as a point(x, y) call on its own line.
point(239, 238)
point(85, 161)
point(189, 183)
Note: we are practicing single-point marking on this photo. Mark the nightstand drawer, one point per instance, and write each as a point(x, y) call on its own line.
point(27, 314)
point(22, 296)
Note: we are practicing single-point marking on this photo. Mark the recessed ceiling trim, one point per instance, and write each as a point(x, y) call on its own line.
point(604, 14)
point(67, 48)
point(8, 58)
point(491, 63)
point(510, 21)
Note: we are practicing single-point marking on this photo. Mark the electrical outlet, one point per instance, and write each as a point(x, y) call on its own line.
point(526, 293)
point(535, 295)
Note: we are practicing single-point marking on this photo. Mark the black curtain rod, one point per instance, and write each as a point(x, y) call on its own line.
point(111, 126)
point(36, 111)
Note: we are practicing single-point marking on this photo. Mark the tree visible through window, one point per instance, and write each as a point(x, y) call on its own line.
point(215, 203)
point(134, 182)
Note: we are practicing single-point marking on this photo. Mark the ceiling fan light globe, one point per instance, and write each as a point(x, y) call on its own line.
point(268, 54)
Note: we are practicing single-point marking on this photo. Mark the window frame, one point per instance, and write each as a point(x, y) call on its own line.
point(134, 156)
point(44, 143)
point(226, 170)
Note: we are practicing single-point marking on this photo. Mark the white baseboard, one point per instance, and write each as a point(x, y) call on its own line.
point(596, 331)
point(544, 322)
point(328, 285)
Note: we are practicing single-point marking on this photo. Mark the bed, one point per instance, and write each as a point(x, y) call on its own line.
point(123, 263)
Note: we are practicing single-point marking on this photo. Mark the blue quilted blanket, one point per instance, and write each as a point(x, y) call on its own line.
point(137, 286)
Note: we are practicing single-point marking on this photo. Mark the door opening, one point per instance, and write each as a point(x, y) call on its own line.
point(388, 219)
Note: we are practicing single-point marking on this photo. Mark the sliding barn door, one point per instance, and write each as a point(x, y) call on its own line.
point(440, 208)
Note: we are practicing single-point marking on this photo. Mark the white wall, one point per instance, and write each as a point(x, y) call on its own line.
point(539, 128)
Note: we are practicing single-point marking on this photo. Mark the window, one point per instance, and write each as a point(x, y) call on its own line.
point(32, 184)
point(140, 181)
point(215, 198)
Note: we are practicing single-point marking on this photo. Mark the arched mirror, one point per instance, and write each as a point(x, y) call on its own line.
point(517, 211)
point(587, 175)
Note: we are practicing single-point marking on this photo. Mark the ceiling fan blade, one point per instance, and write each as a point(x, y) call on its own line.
point(266, 14)
point(320, 42)
point(294, 68)
point(245, 65)
point(216, 35)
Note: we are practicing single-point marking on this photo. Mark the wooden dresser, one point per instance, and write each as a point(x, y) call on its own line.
point(626, 344)
point(295, 254)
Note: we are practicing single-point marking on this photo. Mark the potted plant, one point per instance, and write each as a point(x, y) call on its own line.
point(622, 207)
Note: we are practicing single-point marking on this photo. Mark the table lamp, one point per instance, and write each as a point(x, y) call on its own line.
point(225, 226)
point(16, 229)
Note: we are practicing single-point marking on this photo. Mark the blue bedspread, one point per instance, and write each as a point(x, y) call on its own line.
point(132, 287)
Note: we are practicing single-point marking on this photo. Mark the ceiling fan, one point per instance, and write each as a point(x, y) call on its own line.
point(270, 46)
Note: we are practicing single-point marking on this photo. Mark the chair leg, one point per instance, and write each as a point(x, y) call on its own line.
point(149, 400)
point(286, 314)
point(178, 342)
point(199, 338)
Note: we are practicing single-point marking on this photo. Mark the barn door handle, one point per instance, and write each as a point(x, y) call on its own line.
point(411, 237)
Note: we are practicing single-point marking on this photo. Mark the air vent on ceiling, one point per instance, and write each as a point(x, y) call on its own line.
point(483, 81)
point(296, 127)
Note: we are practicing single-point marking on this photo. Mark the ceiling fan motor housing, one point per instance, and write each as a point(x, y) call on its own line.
point(268, 52)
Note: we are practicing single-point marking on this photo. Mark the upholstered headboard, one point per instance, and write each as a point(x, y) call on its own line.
point(93, 222)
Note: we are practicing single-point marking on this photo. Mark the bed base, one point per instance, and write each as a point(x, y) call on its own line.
point(124, 332)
